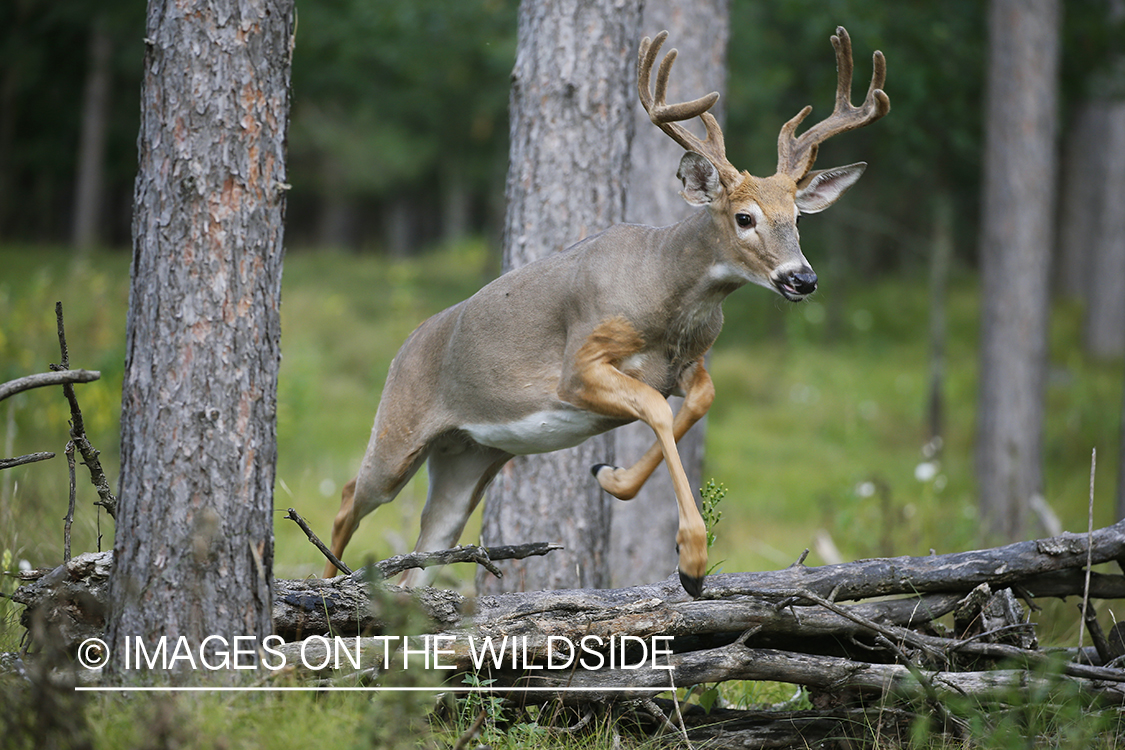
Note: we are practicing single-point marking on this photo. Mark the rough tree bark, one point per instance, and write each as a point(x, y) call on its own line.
point(573, 94)
point(644, 529)
point(1016, 236)
point(194, 540)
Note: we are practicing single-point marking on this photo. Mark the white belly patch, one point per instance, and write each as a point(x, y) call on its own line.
point(541, 432)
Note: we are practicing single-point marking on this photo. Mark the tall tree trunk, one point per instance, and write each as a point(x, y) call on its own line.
point(644, 529)
point(1081, 199)
point(1017, 232)
point(194, 541)
point(457, 204)
point(90, 183)
point(573, 94)
point(1105, 305)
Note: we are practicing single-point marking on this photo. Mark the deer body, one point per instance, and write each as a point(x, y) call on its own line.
point(594, 337)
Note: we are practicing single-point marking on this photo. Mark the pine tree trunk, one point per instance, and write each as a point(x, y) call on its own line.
point(1105, 306)
point(1017, 231)
point(1081, 200)
point(194, 541)
point(573, 94)
point(642, 543)
point(89, 182)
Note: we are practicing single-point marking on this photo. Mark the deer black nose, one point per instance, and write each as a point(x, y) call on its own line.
point(803, 281)
point(797, 284)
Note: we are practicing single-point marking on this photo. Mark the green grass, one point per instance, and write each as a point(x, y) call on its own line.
point(818, 426)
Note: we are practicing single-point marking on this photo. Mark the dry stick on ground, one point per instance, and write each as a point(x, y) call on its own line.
point(78, 427)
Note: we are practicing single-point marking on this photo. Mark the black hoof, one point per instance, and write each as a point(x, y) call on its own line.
point(694, 586)
point(598, 467)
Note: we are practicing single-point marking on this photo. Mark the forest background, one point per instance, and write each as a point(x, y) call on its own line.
point(823, 429)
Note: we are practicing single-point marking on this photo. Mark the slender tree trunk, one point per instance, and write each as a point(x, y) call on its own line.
point(1081, 199)
point(1017, 232)
point(194, 541)
point(456, 200)
point(941, 253)
point(335, 219)
point(90, 183)
point(1121, 465)
point(1105, 305)
point(644, 529)
point(573, 94)
point(9, 87)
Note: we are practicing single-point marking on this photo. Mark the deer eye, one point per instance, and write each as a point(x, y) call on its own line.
point(798, 221)
point(744, 220)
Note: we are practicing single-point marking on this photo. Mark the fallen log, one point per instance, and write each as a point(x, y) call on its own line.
point(732, 602)
point(862, 631)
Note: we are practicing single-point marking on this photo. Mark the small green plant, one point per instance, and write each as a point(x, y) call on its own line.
point(711, 494)
point(9, 617)
point(470, 708)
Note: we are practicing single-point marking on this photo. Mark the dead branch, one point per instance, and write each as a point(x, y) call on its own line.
point(30, 458)
point(483, 556)
point(739, 662)
point(294, 516)
point(26, 383)
point(78, 427)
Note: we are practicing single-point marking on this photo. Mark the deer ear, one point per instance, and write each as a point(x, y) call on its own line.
point(700, 178)
point(820, 189)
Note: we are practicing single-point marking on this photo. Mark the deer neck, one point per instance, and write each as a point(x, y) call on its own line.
point(696, 252)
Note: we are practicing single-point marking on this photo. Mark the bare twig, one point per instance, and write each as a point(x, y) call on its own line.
point(464, 739)
point(927, 685)
point(90, 454)
point(1089, 545)
point(1101, 645)
point(654, 711)
point(8, 463)
point(679, 714)
point(468, 553)
point(26, 383)
point(483, 556)
point(292, 515)
point(70, 506)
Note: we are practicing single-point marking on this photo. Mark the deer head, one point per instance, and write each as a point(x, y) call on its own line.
point(757, 216)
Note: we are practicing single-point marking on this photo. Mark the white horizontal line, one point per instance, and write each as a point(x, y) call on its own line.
point(345, 688)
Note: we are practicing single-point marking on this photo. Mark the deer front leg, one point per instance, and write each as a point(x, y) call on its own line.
point(699, 392)
point(595, 384)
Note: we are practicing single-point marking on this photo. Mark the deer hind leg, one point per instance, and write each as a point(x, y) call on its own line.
point(595, 384)
point(385, 470)
point(459, 474)
point(699, 392)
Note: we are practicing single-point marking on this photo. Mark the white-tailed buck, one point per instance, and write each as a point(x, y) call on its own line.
point(601, 334)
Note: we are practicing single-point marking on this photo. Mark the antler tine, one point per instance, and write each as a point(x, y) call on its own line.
point(668, 116)
point(796, 155)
